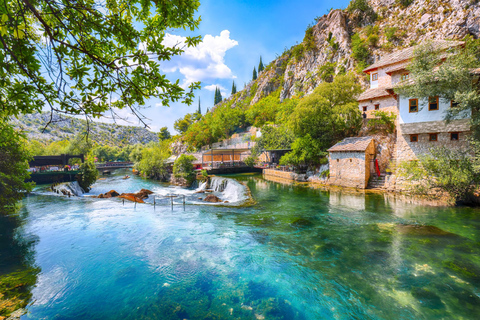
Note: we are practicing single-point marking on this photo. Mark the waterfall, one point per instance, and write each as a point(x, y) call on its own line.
point(229, 189)
point(68, 188)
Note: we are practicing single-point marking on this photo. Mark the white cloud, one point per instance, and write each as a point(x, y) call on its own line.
point(203, 62)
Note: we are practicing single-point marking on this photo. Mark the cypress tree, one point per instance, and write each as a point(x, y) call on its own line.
point(199, 109)
point(234, 88)
point(254, 74)
point(260, 65)
point(215, 101)
point(220, 98)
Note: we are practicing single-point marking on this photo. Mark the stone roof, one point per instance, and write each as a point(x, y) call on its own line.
point(459, 125)
point(351, 144)
point(407, 54)
point(373, 93)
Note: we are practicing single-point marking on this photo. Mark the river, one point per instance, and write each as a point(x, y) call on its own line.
point(296, 253)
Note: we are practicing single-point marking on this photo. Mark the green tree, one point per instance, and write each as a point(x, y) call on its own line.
point(274, 137)
point(218, 96)
point(234, 88)
point(181, 125)
point(305, 151)
point(88, 173)
point(330, 113)
point(260, 65)
point(152, 163)
point(254, 74)
point(183, 168)
point(164, 134)
point(14, 158)
point(88, 57)
point(199, 111)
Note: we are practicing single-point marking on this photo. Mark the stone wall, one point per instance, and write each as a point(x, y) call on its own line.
point(351, 169)
point(407, 150)
point(387, 104)
point(285, 175)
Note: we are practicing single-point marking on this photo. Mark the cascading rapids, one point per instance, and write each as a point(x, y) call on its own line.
point(226, 189)
point(69, 189)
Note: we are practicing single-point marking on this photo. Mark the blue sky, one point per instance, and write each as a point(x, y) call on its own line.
point(236, 33)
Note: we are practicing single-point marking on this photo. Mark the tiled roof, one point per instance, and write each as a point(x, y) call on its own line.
point(373, 93)
point(476, 71)
point(407, 54)
point(399, 68)
point(351, 144)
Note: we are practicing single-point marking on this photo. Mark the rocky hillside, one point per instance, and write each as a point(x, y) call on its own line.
point(351, 39)
point(66, 128)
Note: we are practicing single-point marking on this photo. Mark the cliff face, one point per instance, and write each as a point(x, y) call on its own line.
point(386, 26)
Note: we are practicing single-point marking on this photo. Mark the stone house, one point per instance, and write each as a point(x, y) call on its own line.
point(351, 162)
point(420, 123)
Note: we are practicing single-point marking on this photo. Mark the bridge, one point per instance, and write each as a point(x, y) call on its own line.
point(114, 165)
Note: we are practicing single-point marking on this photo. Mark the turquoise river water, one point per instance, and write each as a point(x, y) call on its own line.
point(296, 253)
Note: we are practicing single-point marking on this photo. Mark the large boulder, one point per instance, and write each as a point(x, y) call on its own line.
point(212, 198)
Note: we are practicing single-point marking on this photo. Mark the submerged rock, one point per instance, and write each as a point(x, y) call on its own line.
point(212, 198)
point(301, 223)
point(419, 230)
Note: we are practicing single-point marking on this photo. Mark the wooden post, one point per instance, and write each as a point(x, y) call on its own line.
point(212, 156)
point(183, 202)
point(171, 201)
point(123, 200)
point(154, 203)
point(233, 157)
point(135, 202)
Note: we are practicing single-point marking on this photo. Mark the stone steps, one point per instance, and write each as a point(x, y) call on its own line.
point(377, 182)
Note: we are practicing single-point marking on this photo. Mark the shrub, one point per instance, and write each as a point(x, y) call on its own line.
point(183, 168)
point(360, 50)
point(250, 161)
point(404, 3)
point(88, 173)
point(451, 171)
point(297, 51)
point(391, 33)
point(309, 40)
point(383, 121)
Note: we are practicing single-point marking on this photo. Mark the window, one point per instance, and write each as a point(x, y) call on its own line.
point(414, 138)
point(405, 76)
point(454, 136)
point(432, 103)
point(454, 104)
point(364, 108)
point(375, 77)
point(413, 105)
point(377, 107)
point(433, 136)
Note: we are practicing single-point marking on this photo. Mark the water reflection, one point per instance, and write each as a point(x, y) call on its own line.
point(18, 274)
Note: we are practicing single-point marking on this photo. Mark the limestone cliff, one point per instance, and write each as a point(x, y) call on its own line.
point(386, 26)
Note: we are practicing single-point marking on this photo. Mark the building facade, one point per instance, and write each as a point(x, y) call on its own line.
point(420, 123)
point(350, 162)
